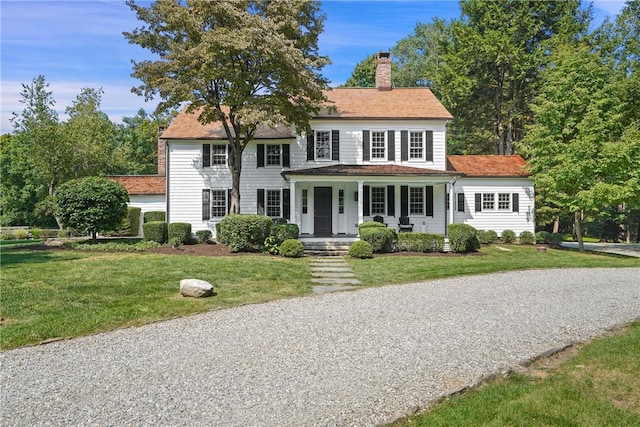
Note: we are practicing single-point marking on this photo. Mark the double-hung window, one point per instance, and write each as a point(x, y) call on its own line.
point(273, 155)
point(214, 155)
point(378, 205)
point(488, 201)
point(416, 145)
point(218, 203)
point(378, 145)
point(323, 145)
point(504, 201)
point(416, 200)
point(273, 203)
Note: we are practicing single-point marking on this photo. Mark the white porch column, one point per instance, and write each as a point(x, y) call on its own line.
point(293, 211)
point(360, 201)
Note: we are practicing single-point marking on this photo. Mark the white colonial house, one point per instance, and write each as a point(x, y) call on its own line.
point(380, 154)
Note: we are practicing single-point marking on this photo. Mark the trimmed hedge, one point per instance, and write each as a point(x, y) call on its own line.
point(132, 222)
point(508, 236)
point(420, 242)
point(360, 249)
point(542, 236)
point(526, 238)
point(155, 231)
point(155, 216)
point(487, 236)
point(244, 233)
point(292, 248)
point(180, 231)
point(381, 239)
point(462, 238)
point(283, 232)
point(551, 239)
point(203, 236)
point(371, 224)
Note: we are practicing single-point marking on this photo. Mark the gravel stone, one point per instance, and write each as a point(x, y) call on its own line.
point(350, 358)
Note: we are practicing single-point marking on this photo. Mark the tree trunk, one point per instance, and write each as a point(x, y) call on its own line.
point(94, 235)
point(235, 167)
point(556, 225)
point(52, 189)
point(509, 137)
point(576, 229)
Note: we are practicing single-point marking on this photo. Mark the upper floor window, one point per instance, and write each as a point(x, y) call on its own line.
point(214, 154)
point(378, 145)
point(323, 145)
point(416, 145)
point(273, 155)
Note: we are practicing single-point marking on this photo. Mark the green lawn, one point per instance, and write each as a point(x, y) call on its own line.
point(52, 294)
point(598, 387)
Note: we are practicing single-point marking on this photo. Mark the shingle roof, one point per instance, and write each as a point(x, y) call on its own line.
point(142, 184)
point(488, 165)
point(398, 103)
point(370, 170)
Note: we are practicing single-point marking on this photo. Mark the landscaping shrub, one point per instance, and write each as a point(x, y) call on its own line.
point(155, 231)
point(361, 249)
point(154, 216)
point(292, 248)
point(7, 235)
point(283, 232)
point(244, 232)
point(21, 234)
point(271, 245)
point(371, 224)
point(542, 236)
point(420, 242)
point(487, 236)
point(462, 238)
point(526, 238)
point(508, 236)
point(554, 239)
point(133, 219)
point(278, 221)
point(36, 233)
point(381, 239)
point(180, 231)
point(110, 246)
point(203, 236)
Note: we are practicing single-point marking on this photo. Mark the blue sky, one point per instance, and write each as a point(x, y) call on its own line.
point(78, 44)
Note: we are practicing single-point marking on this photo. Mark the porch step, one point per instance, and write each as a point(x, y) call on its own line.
point(327, 247)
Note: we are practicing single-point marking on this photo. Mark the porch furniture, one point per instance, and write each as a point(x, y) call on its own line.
point(404, 224)
point(380, 219)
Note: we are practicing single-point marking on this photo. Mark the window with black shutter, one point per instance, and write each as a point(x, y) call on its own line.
point(366, 209)
point(460, 202)
point(206, 155)
point(404, 200)
point(206, 204)
point(366, 145)
point(260, 155)
point(429, 200)
point(286, 156)
point(286, 203)
point(335, 145)
point(478, 197)
point(260, 201)
point(404, 145)
point(391, 145)
point(311, 148)
point(516, 202)
point(429, 146)
point(391, 200)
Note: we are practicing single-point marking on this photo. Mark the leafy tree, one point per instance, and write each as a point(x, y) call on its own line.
point(243, 63)
point(92, 204)
point(581, 156)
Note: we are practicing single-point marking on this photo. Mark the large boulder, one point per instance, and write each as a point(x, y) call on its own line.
point(195, 288)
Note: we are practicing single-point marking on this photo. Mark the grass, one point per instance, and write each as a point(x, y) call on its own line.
point(24, 242)
point(598, 387)
point(383, 270)
point(51, 294)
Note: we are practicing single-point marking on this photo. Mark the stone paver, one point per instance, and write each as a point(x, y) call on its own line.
point(333, 272)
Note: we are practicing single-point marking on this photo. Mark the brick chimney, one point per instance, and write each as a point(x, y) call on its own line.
point(383, 71)
point(162, 152)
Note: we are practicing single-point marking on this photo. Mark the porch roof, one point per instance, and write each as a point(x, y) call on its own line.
point(370, 170)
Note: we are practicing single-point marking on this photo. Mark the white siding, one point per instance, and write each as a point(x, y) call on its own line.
point(147, 203)
point(497, 220)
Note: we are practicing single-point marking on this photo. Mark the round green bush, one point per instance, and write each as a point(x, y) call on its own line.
point(487, 236)
point(508, 236)
point(462, 238)
point(292, 248)
point(554, 239)
point(180, 231)
point(155, 231)
point(542, 236)
point(526, 238)
point(371, 224)
point(361, 249)
point(203, 236)
point(282, 232)
point(381, 239)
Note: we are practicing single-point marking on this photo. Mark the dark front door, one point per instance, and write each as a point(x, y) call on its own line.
point(322, 211)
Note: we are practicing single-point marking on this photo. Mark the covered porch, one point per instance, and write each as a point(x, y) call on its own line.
point(330, 202)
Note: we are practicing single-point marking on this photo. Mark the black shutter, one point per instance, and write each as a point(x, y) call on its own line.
point(365, 201)
point(228, 200)
point(478, 202)
point(515, 199)
point(311, 149)
point(260, 203)
point(286, 156)
point(404, 200)
point(206, 155)
point(286, 204)
point(391, 200)
point(391, 145)
point(260, 155)
point(366, 141)
point(429, 197)
point(404, 145)
point(206, 205)
point(335, 145)
point(429, 146)
point(460, 202)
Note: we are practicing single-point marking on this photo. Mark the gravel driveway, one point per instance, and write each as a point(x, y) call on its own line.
point(351, 358)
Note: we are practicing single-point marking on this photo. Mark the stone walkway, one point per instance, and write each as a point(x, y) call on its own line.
point(332, 273)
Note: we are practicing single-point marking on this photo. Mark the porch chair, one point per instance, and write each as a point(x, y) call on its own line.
point(404, 224)
point(380, 219)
